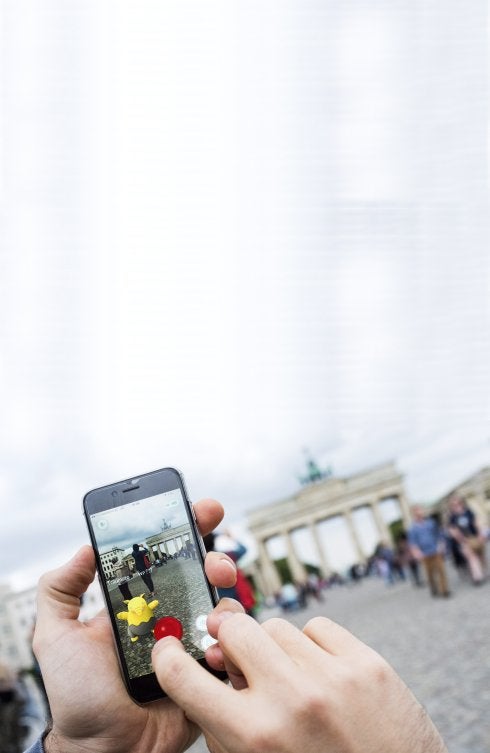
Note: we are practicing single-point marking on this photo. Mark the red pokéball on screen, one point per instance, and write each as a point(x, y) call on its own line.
point(166, 626)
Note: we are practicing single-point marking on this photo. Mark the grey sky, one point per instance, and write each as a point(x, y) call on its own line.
point(133, 523)
point(233, 230)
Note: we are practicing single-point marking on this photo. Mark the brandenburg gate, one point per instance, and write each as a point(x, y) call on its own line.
point(316, 503)
point(169, 542)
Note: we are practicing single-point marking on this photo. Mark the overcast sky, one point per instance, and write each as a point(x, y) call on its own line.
point(230, 231)
point(133, 523)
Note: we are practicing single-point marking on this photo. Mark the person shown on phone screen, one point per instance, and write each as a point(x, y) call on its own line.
point(318, 689)
point(122, 574)
point(143, 566)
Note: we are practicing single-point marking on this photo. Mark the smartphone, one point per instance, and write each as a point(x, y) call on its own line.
point(150, 562)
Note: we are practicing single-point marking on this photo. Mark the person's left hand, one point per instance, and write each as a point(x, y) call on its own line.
point(90, 705)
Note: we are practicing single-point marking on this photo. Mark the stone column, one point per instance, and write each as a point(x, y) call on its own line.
point(353, 534)
point(483, 481)
point(383, 530)
point(298, 570)
point(270, 575)
point(256, 573)
point(325, 568)
point(405, 510)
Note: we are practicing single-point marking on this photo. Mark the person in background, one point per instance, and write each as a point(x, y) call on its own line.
point(10, 710)
point(122, 573)
point(427, 545)
point(355, 573)
point(314, 586)
point(463, 528)
point(242, 591)
point(190, 549)
point(37, 674)
point(385, 559)
point(289, 597)
point(405, 557)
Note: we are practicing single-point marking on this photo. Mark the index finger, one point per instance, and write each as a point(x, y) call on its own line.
point(204, 699)
point(333, 638)
point(250, 648)
point(214, 655)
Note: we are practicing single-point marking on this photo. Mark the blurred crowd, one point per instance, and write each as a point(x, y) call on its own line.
point(420, 555)
point(23, 708)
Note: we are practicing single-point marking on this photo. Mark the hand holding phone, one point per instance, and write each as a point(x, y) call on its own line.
point(90, 706)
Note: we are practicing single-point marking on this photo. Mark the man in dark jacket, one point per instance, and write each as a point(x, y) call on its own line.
point(143, 566)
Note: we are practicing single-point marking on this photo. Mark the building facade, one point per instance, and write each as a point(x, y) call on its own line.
point(106, 559)
point(167, 542)
point(18, 617)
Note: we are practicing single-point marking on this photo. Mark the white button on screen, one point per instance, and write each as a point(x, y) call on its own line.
point(207, 641)
point(201, 622)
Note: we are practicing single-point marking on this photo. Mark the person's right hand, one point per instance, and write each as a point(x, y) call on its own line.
point(316, 691)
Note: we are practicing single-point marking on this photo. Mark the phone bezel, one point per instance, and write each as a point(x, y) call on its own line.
point(144, 688)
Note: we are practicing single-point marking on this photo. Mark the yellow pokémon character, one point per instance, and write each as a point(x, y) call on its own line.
point(140, 617)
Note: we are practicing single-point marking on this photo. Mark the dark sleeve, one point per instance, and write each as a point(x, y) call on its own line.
point(37, 747)
point(472, 523)
point(240, 550)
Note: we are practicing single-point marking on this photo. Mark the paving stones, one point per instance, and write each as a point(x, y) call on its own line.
point(178, 588)
point(440, 647)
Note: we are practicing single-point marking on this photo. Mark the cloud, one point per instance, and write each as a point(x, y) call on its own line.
point(216, 276)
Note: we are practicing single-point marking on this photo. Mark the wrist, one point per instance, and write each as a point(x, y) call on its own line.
point(54, 742)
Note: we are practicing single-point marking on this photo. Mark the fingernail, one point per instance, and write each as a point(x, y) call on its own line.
point(229, 563)
point(215, 654)
point(162, 642)
point(222, 616)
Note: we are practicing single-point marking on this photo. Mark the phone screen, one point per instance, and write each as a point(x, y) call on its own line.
point(152, 572)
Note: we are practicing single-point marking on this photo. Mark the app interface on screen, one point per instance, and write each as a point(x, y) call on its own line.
point(154, 577)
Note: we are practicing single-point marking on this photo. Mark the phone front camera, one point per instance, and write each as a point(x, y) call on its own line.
point(114, 494)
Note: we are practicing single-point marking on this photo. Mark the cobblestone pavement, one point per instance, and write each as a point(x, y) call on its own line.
point(180, 591)
point(440, 647)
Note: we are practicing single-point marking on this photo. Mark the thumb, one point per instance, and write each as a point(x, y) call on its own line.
point(59, 591)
